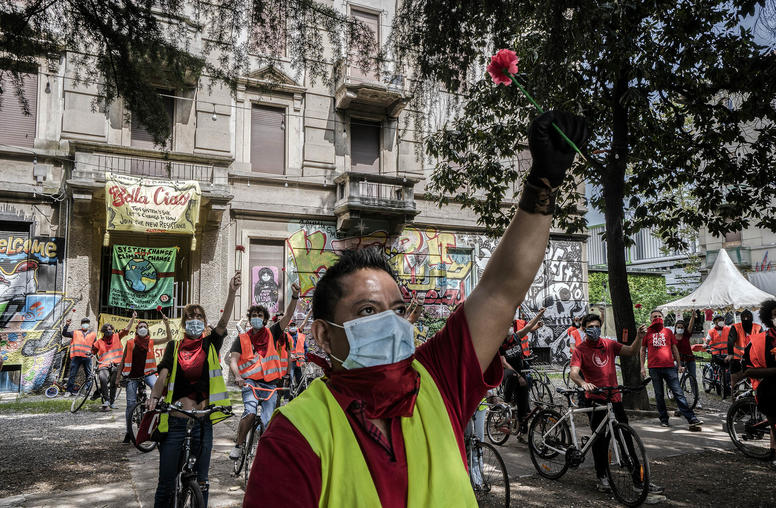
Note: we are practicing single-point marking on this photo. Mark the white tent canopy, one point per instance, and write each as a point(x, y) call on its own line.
point(724, 289)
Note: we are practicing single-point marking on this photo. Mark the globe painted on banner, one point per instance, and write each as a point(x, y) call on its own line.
point(140, 275)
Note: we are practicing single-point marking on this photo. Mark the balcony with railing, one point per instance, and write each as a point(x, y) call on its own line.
point(380, 92)
point(370, 197)
point(154, 168)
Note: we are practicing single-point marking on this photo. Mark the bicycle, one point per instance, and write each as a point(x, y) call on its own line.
point(554, 446)
point(712, 377)
point(136, 416)
point(502, 421)
point(689, 386)
point(567, 374)
point(487, 471)
point(304, 380)
point(188, 492)
point(747, 427)
point(86, 389)
point(539, 383)
point(248, 451)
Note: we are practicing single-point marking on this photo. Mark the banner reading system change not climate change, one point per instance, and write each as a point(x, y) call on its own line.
point(142, 277)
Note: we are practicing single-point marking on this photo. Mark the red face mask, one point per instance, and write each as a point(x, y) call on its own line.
point(387, 391)
point(657, 324)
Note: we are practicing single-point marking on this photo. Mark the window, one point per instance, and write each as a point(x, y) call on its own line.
point(268, 139)
point(732, 239)
point(141, 138)
point(16, 127)
point(364, 146)
point(266, 260)
point(372, 20)
point(268, 36)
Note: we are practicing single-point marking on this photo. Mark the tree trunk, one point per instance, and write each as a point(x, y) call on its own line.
point(614, 191)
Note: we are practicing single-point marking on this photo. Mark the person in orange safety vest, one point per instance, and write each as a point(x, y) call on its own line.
point(739, 336)
point(80, 352)
point(717, 342)
point(259, 358)
point(109, 351)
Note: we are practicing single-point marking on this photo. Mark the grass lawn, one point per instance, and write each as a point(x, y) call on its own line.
point(36, 406)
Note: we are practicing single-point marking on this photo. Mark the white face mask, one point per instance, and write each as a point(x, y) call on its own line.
point(719, 324)
point(292, 330)
point(142, 332)
point(380, 339)
point(257, 323)
point(680, 330)
point(85, 326)
point(194, 327)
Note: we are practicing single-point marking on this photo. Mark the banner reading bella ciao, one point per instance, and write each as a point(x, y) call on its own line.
point(156, 330)
point(142, 277)
point(151, 206)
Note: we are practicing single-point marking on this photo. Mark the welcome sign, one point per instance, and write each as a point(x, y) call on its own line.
point(142, 277)
point(151, 206)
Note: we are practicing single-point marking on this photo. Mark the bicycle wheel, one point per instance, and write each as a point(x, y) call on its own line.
point(493, 488)
point(548, 440)
point(707, 378)
point(135, 417)
point(250, 450)
point(748, 429)
point(52, 391)
point(567, 374)
point(190, 495)
point(498, 424)
point(541, 392)
point(690, 389)
point(628, 468)
point(81, 396)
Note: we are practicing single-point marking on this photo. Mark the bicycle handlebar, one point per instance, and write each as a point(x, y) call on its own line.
point(164, 407)
point(605, 390)
point(269, 391)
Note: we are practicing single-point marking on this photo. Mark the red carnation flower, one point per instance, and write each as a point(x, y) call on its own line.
point(241, 248)
point(503, 62)
point(73, 311)
point(638, 305)
point(159, 308)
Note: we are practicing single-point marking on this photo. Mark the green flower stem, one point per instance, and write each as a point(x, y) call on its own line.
point(539, 108)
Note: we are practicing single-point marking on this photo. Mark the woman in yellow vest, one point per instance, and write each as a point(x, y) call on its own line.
point(190, 371)
point(385, 427)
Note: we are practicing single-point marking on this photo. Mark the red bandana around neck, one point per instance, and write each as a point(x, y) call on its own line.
point(192, 356)
point(387, 391)
point(260, 338)
point(142, 342)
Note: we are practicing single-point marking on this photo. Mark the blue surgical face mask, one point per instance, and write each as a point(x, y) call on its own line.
point(679, 331)
point(257, 323)
point(380, 339)
point(194, 327)
point(292, 330)
point(593, 332)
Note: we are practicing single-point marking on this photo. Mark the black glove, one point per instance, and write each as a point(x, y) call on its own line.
point(552, 155)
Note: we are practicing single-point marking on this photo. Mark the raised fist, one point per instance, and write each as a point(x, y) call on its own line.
point(552, 155)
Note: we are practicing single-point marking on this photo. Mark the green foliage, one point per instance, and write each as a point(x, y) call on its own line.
point(647, 291)
point(134, 47)
point(655, 81)
point(36, 406)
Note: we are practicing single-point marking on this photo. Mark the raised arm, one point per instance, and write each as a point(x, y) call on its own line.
point(306, 318)
point(514, 263)
point(531, 326)
point(163, 340)
point(65, 331)
point(128, 328)
point(234, 285)
point(691, 324)
point(291, 307)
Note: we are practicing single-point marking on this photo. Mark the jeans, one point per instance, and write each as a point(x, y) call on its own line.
point(724, 372)
point(107, 376)
point(671, 378)
point(76, 363)
point(132, 385)
point(250, 402)
point(690, 367)
point(296, 374)
point(476, 425)
point(170, 455)
point(601, 444)
point(518, 395)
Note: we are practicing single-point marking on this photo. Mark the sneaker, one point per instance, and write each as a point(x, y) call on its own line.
point(653, 489)
point(664, 424)
point(699, 405)
point(96, 396)
point(696, 421)
point(695, 427)
point(236, 453)
point(127, 438)
point(68, 394)
point(113, 405)
point(603, 485)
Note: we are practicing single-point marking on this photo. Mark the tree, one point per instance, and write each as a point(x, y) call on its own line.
point(130, 47)
point(678, 95)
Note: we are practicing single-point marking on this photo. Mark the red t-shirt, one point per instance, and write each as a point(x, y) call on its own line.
point(596, 361)
point(284, 455)
point(683, 345)
point(659, 351)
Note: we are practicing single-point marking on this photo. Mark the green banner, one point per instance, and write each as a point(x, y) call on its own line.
point(142, 277)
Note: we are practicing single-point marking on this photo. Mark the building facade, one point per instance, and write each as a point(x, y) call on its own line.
point(290, 172)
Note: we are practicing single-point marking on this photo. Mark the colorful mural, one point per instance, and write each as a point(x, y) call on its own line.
point(31, 305)
point(441, 268)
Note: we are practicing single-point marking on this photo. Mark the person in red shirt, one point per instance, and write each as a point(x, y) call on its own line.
point(683, 334)
point(660, 348)
point(385, 392)
point(594, 359)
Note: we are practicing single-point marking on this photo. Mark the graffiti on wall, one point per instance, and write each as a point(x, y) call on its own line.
point(441, 268)
point(559, 287)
